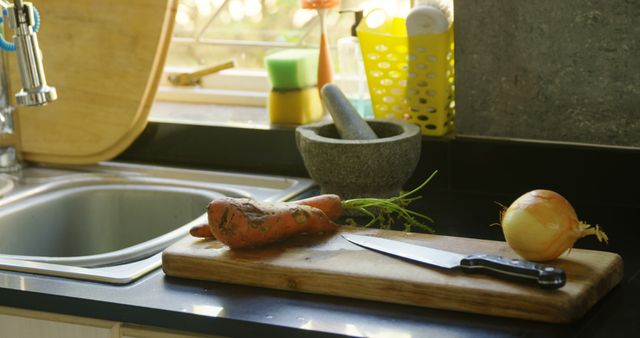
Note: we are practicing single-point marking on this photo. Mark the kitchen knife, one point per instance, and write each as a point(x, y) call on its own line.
point(546, 276)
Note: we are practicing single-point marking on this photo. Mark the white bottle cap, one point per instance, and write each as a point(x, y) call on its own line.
point(426, 19)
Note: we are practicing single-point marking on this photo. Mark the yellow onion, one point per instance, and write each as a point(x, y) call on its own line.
point(541, 225)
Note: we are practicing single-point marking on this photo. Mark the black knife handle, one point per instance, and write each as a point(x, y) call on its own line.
point(547, 276)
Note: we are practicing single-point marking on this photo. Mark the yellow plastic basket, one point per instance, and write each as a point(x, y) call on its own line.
point(410, 79)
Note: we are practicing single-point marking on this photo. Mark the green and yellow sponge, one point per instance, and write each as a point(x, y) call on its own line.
point(294, 98)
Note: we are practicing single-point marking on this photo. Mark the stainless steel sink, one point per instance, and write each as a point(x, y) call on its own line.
point(111, 221)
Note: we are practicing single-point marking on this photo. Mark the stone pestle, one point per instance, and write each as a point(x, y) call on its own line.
point(348, 122)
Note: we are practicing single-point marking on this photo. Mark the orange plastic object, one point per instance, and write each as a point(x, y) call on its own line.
point(316, 4)
point(325, 66)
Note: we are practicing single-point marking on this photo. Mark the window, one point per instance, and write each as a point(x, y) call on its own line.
point(208, 32)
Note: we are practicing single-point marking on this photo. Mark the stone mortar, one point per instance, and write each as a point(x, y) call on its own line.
point(360, 168)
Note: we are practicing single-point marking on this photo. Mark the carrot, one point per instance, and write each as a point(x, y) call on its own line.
point(242, 222)
point(201, 230)
point(330, 204)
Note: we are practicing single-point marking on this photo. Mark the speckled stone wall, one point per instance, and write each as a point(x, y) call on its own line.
point(559, 70)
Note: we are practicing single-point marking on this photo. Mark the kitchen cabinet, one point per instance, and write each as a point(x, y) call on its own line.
point(19, 323)
point(137, 331)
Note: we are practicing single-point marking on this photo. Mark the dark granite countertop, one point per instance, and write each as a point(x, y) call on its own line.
point(232, 310)
point(473, 176)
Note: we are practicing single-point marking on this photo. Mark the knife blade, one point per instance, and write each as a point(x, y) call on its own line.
point(546, 276)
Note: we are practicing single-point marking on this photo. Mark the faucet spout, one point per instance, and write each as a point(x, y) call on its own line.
point(24, 20)
point(35, 91)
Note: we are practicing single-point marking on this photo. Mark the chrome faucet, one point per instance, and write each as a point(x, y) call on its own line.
point(24, 21)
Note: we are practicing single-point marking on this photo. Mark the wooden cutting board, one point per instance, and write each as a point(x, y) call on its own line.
point(332, 266)
point(105, 58)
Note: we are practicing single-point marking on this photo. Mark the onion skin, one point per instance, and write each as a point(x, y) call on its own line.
point(541, 225)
